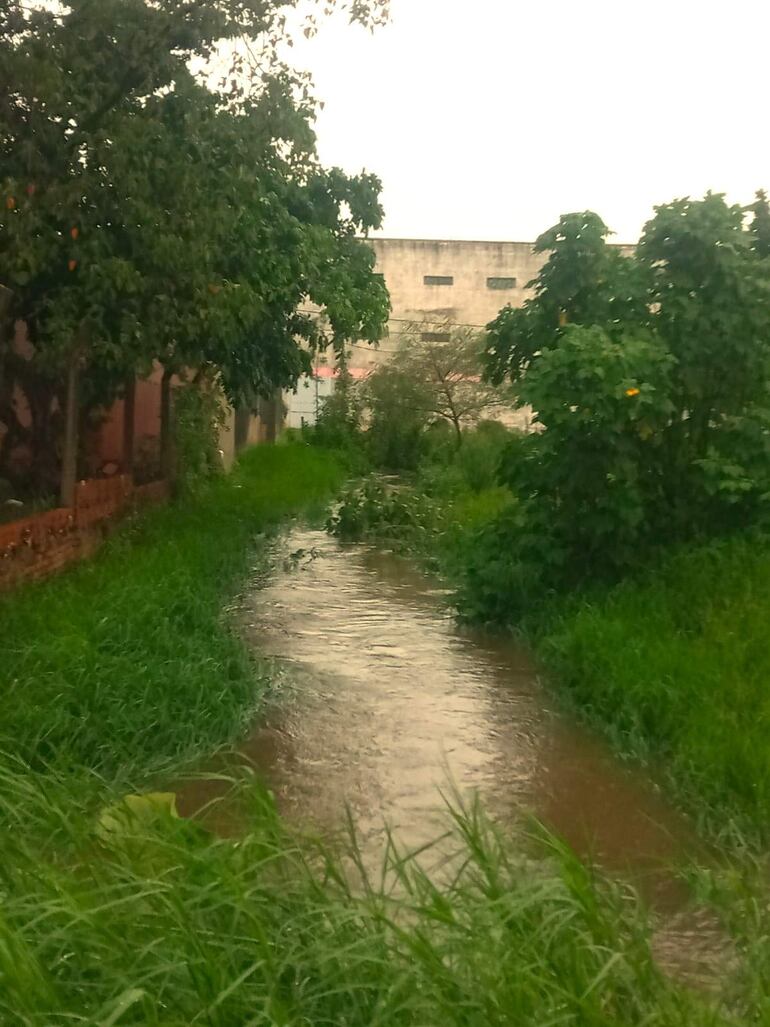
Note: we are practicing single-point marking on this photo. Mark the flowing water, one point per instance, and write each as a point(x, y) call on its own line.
point(391, 703)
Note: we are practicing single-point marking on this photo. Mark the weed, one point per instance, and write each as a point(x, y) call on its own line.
point(157, 922)
point(125, 662)
point(675, 665)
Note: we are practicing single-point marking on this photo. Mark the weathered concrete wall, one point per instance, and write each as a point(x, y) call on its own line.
point(485, 277)
point(470, 299)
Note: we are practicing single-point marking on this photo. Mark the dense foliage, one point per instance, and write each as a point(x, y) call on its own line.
point(420, 403)
point(649, 375)
point(162, 201)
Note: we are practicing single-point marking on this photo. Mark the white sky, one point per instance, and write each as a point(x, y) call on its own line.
point(486, 119)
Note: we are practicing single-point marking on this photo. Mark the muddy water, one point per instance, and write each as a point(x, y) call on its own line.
point(391, 702)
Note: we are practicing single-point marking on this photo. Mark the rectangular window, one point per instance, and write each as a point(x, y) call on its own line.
point(501, 283)
point(438, 280)
point(435, 336)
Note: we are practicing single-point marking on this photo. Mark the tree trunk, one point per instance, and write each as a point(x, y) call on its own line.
point(69, 468)
point(166, 434)
point(273, 416)
point(129, 420)
point(458, 431)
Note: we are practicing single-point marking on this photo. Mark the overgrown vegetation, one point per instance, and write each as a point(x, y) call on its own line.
point(435, 512)
point(125, 662)
point(674, 665)
point(626, 535)
point(155, 922)
point(198, 420)
point(116, 911)
point(417, 407)
point(649, 374)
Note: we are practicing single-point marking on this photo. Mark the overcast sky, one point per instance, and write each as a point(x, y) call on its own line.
point(486, 119)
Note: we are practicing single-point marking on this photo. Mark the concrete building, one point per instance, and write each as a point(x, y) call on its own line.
point(435, 281)
point(438, 280)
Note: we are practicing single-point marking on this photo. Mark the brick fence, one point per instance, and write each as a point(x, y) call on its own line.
point(34, 547)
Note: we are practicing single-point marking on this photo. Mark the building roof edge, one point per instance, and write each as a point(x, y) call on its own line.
point(484, 242)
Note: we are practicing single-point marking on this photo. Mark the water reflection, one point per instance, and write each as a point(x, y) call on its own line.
point(391, 698)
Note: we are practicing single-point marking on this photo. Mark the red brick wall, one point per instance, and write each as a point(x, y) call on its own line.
point(35, 547)
point(109, 445)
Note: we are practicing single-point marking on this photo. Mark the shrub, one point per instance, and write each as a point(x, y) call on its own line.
point(649, 378)
point(198, 420)
point(480, 455)
point(399, 416)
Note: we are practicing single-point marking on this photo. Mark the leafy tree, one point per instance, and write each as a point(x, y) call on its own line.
point(590, 477)
point(649, 375)
point(398, 411)
point(760, 224)
point(583, 281)
point(447, 362)
point(711, 297)
point(149, 215)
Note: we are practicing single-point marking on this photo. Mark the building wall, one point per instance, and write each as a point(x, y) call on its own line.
point(306, 400)
point(146, 421)
point(470, 300)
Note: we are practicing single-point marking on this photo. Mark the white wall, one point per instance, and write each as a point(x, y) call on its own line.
point(306, 399)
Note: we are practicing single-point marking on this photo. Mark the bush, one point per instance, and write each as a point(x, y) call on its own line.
point(398, 418)
point(397, 516)
point(649, 378)
point(479, 457)
point(198, 421)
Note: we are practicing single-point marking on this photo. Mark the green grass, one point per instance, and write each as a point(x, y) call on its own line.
point(154, 922)
point(676, 667)
point(126, 662)
point(124, 670)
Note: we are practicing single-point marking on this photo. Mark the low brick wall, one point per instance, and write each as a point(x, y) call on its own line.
point(35, 547)
point(155, 492)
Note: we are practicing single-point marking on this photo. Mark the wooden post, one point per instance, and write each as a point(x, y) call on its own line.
point(69, 466)
point(166, 435)
point(129, 415)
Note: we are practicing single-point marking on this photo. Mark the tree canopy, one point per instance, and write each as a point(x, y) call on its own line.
point(162, 199)
point(649, 373)
point(446, 362)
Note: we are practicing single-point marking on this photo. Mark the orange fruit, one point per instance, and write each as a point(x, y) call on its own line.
point(72, 265)
point(10, 203)
point(74, 232)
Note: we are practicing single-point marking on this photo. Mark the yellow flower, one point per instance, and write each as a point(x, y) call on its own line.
point(632, 392)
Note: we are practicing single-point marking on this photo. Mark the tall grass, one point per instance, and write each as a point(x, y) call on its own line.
point(675, 666)
point(127, 661)
point(158, 923)
point(117, 912)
